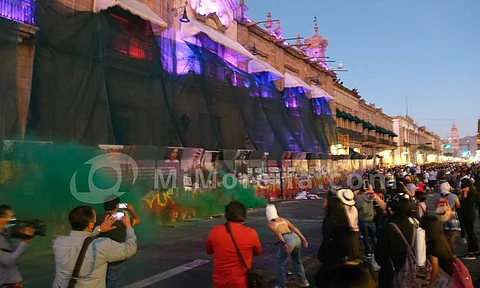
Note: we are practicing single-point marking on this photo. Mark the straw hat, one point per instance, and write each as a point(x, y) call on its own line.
point(346, 196)
point(271, 212)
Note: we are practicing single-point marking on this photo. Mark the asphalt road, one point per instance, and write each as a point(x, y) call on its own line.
point(175, 257)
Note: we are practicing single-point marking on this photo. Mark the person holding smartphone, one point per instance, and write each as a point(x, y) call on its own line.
point(112, 206)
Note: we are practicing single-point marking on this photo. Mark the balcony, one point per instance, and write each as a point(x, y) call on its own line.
point(371, 139)
point(354, 135)
point(384, 142)
point(22, 11)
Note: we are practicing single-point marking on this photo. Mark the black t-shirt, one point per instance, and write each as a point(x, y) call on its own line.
point(468, 205)
point(118, 234)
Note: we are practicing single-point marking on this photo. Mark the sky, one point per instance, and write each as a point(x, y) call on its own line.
point(423, 51)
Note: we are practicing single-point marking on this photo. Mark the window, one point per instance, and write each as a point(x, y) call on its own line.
point(18, 10)
point(134, 37)
point(290, 99)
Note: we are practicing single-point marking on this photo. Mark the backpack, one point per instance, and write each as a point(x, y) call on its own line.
point(444, 211)
point(461, 276)
point(411, 275)
point(420, 244)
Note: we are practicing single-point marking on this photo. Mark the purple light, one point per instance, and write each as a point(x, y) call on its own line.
point(188, 65)
point(291, 100)
point(19, 11)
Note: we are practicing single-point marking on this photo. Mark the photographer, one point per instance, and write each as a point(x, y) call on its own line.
point(98, 254)
point(111, 206)
point(10, 253)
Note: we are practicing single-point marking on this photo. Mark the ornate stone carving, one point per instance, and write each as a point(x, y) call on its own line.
point(316, 47)
point(269, 24)
point(212, 16)
point(223, 9)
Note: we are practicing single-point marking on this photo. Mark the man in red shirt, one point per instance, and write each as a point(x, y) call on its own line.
point(228, 270)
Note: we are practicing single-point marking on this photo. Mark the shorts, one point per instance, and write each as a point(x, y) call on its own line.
point(453, 224)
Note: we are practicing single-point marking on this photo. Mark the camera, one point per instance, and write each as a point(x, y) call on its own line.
point(38, 225)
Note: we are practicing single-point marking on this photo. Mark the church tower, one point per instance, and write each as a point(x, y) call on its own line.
point(454, 139)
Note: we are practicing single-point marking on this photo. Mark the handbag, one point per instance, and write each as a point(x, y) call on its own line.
point(254, 279)
point(78, 265)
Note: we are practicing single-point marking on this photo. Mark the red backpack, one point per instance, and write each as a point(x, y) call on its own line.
point(461, 276)
point(444, 211)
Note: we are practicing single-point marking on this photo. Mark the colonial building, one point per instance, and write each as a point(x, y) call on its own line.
point(416, 144)
point(223, 29)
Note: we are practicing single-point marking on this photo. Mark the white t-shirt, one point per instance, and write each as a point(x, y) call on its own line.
point(352, 216)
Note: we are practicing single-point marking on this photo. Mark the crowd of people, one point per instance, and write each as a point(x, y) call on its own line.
point(375, 234)
point(393, 221)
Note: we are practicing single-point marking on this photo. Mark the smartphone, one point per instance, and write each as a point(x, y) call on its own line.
point(119, 215)
point(365, 184)
point(122, 205)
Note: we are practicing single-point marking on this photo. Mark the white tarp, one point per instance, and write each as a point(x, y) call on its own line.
point(133, 6)
point(319, 92)
point(194, 27)
point(258, 66)
point(292, 81)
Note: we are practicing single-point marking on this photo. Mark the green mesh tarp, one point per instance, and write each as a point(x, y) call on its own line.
point(9, 112)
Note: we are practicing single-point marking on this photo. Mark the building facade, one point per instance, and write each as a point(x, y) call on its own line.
point(416, 145)
point(223, 27)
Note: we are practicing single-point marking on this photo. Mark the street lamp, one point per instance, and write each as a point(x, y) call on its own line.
point(184, 18)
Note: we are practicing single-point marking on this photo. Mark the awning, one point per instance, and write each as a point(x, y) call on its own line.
point(259, 66)
point(133, 6)
point(368, 125)
point(319, 92)
point(194, 27)
point(292, 81)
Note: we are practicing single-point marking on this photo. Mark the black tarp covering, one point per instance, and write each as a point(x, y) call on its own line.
point(97, 78)
point(324, 121)
point(105, 78)
point(9, 112)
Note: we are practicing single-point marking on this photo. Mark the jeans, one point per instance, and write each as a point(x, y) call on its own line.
point(114, 271)
point(295, 244)
point(471, 237)
point(367, 229)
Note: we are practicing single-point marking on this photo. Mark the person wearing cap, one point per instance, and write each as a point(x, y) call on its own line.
point(451, 224)
point(366, 198)
point(348, 199)
point(290, 243)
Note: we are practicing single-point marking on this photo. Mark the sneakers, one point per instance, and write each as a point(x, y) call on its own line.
point(469, 256)
point(305, 284)
point(376, 267)
point(463, 241)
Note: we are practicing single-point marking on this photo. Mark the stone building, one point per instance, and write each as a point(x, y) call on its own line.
point(369, 129)
point(416, 145)
point(363, 128)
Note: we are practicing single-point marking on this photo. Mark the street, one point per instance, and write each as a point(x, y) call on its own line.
point(175, 257)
